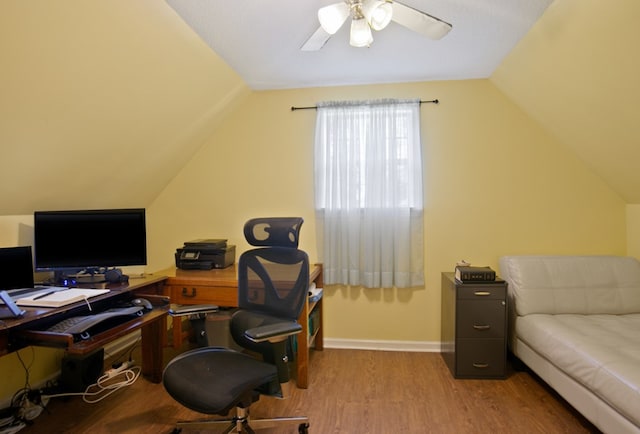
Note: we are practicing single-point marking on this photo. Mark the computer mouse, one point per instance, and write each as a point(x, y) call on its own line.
point(142, 302)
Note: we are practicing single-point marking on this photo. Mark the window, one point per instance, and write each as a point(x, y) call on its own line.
point(368, 180)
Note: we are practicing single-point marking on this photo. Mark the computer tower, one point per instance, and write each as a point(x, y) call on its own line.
point(79, 372)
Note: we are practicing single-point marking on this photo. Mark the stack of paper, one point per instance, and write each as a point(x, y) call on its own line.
point(57, 298)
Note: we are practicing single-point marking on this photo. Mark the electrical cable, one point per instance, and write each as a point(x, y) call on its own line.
point(130, 372)
point(26, 368)
point(104, 388)
point(29, 404)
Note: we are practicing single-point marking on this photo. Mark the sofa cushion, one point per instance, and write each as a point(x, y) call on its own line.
point(572, 284)
point(602, 352)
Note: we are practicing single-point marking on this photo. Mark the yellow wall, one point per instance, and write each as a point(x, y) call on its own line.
point(495, 184)
point(102, 102)
point(633, 230)
point(576, 73)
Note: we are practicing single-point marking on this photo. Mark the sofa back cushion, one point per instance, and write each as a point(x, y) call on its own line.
point(572, 284)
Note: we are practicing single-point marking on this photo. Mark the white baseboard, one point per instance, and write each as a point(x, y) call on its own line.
point(363, 344)
point(116, 347)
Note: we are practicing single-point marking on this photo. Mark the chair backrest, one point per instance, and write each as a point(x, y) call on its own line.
point(273, 279)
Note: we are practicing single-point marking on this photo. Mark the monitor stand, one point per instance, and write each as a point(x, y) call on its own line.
point(75, 277)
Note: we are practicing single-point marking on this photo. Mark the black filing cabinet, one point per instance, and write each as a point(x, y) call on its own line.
point(474, 323)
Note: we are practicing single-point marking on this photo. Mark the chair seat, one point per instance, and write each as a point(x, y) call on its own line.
point(213, 380)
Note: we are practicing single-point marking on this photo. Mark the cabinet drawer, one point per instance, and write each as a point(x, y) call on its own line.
point(477, 358)
point(481, 318)
point(480, 292)
point(194, 294)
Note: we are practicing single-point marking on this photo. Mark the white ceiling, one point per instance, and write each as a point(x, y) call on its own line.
point(261, 41)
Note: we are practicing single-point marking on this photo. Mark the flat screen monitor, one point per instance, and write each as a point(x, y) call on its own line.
point(89, 239)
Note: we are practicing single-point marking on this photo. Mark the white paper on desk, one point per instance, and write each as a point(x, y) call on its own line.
point(59, 298)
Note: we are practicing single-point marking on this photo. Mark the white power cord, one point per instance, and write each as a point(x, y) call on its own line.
point(110, 373)
point(103, 387)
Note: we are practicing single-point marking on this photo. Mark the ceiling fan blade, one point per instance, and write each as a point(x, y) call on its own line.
point(419, 21)
point(316, 41)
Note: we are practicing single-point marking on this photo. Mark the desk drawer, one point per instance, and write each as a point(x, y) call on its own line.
point(196, 294)
point(481, 318)
point(482, 291)
point(480, 358)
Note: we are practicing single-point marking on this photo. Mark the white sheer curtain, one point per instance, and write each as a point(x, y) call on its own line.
point(368, 180)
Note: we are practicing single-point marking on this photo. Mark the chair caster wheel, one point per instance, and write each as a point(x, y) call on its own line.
point(303, 428)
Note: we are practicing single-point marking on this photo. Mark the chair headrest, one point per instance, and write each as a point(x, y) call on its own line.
point(273, 231)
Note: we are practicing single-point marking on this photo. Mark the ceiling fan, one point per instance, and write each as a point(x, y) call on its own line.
point(372, 14)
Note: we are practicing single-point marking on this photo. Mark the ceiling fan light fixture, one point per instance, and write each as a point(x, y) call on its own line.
point(378, 13)
point(332, 17)
point(368, 15)
point(360, 35)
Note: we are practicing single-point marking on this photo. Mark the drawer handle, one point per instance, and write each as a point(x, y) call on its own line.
point(186, 294)
point(481, 365)
point(481, 327)
point(482, 293)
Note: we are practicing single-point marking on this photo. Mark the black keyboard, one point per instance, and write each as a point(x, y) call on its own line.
point(82, 326)
point(66, 324)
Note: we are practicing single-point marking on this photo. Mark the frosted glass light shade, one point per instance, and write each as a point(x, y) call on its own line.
point(360, 33)
point(378, 13)
point(332, 17)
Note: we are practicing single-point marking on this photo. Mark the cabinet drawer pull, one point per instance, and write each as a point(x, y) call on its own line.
point(481, 327)
point(481, 365)
point(186, 294)
point(482, 293)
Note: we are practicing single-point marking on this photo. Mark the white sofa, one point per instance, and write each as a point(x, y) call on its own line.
point(575, 321)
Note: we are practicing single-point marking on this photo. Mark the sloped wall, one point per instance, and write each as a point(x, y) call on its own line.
point(102, 102)
point(495, 184)
point(576, 73)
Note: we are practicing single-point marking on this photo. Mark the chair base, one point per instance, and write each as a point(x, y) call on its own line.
point(242, 423)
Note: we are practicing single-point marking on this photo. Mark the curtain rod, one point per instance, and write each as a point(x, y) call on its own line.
point(433, 101)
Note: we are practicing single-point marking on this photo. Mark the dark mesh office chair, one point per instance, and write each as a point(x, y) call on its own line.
point(273, 284)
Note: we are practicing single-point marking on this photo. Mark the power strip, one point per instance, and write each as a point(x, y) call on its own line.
point(30, 404)
point(30, 411)
point(110, 373)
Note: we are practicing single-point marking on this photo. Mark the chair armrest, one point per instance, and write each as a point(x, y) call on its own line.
point(192, 309)
point(273, 332)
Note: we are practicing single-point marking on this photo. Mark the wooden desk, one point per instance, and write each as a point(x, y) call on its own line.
point(28, 330)
point(220, 287)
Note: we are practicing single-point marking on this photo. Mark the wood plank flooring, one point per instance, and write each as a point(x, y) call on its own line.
point(350, 392)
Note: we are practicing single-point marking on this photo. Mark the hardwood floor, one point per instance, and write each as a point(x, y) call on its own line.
point(350, 392)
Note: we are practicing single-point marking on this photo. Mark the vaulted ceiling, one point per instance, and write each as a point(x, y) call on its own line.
point(102, 103)
point(262, 40)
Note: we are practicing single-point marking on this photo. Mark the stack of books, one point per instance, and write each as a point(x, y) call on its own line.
point(475, 274)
